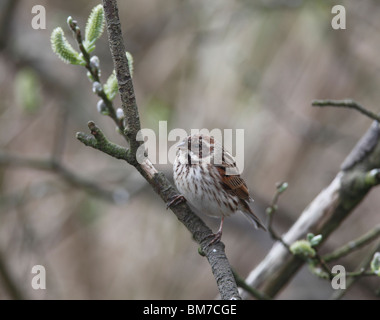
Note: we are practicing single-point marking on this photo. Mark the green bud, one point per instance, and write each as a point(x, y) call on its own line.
point(130, 63)
point(309, 236)
point(372, 177)
point(63, 49)
point(96, 87)
point(282, 187)
point(375, 263)
point(314, 241)
point(94, 62)
point(102, 108)
point(302, 248)
point(94, 27)
point(111, 87)
point(119, 113)
point(201, 252)
point(90, 77)
point(269, 211)
point(95, 65)
point(69, 21)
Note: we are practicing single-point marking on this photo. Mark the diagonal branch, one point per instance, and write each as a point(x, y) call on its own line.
point(358, 174)
point(351, 104)
point(123, 75)
point(364, 264)
point(354, 244)
point(215, 253)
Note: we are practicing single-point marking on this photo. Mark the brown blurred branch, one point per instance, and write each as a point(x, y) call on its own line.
point(8, 281)
point(358, 174)
point(56, 167)
point(214, 253)
point(351, 104)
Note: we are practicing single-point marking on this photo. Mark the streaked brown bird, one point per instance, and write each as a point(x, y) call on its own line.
point(207, 177)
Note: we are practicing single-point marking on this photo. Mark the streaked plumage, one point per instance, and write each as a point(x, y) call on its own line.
point(207, 176)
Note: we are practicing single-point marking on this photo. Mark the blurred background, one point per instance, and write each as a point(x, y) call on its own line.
point(100, 231)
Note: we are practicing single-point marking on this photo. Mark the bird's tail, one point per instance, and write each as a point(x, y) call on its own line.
point(248, 212)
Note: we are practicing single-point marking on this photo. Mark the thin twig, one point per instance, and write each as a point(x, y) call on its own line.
point(272, 209)
point(323, 264)
point(322, 216)
point(362, 267)
point(353, 245)
point(351, 104)
point(95, 74)
point(244, 285)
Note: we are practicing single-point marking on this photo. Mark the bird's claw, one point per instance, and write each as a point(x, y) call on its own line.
point(175, 200)
point(216, 237)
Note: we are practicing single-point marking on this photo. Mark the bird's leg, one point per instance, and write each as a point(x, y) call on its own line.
point(179, 198)
point(217, 236)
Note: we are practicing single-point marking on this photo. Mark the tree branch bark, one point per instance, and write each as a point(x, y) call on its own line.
point(215, 253)
point(358, 174)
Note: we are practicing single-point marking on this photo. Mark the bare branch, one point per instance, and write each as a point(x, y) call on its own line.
point(354, 244)
point(272, 209)
point(346, 104)
point(252, 291)
point(324, 214)
point(215, 253)
point(123, 75)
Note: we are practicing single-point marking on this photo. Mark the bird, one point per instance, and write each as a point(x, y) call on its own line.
point(207, 178)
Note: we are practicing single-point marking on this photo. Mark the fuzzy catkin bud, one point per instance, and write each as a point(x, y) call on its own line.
point(63, 49)
point(94, 62)
point(302, 248)
point(96, 87)
point(102, 108)
point(94, 27)
point(119, 113)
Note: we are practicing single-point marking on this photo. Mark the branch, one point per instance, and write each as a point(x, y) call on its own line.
point(55, 166)
point(215, 253)
point(353, 245)
point(123, 75)
point(252, 291)
point(351, 104)
point(272, 209)
point(362, 271)
point(358, 174)
point(97, 140)
point(94, 71)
